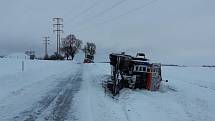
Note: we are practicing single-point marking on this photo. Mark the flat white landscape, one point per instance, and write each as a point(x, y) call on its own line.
point(65, 90)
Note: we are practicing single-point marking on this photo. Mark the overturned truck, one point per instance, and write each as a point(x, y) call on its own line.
point(133, 72)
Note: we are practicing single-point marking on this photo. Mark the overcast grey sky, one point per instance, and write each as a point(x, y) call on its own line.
point(168, 31)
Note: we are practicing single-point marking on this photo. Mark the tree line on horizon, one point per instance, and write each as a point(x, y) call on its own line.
point(70, 46)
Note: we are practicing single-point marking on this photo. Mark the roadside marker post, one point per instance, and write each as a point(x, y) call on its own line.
point(23, 66)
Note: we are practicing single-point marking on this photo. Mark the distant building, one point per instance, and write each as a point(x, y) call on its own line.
point(31, 54)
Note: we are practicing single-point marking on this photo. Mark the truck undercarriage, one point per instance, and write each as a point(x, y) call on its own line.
point(133, 72)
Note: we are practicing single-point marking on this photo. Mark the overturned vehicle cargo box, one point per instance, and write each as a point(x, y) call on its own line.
point(133, 72)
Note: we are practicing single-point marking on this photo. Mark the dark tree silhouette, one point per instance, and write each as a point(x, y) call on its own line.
point(90, 50)
point(71, 46)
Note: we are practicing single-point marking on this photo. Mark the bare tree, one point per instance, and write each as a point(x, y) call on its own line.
point(71, 46)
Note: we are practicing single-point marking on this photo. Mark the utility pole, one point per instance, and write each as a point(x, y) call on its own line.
point(46, 40)
point(58, 30)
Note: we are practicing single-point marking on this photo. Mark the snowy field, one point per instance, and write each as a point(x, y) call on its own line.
point(65, 90)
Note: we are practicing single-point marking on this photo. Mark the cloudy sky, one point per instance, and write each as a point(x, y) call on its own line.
point(168, 31)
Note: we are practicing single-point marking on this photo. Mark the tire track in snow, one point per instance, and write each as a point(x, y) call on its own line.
point(125, 112)
point(64, 100)
point(205, 87)
point(60, 97)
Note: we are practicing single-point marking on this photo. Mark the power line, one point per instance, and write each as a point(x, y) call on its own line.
point(124, 14)
point(130, 11)
point(58, 29)
point(110, 8)
point(102, 12)
point(87, 9)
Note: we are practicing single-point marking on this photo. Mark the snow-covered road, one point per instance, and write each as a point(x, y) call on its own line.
point(47, 97)
point(54, 106)
point(57, 91)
